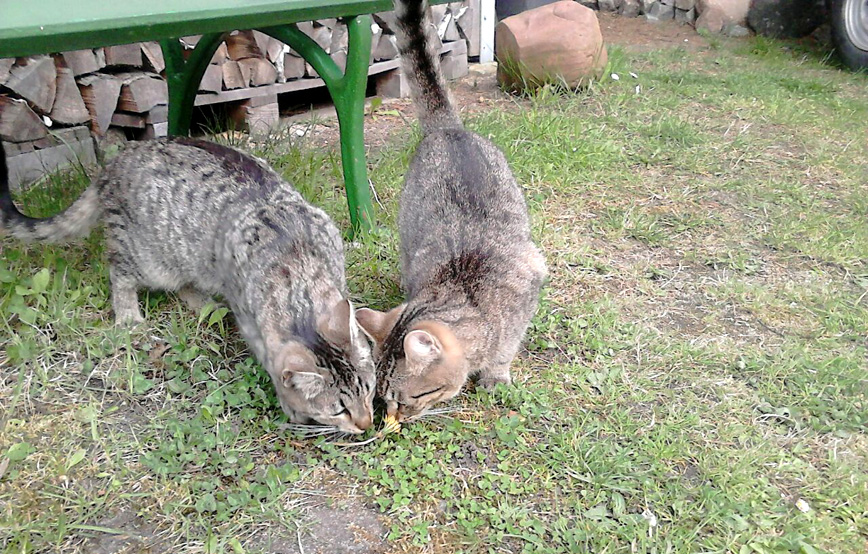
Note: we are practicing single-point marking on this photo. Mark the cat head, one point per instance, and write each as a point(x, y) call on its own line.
point(419, 364)
point(330, 377)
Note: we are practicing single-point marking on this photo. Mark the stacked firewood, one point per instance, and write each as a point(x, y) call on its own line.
point(122, 89)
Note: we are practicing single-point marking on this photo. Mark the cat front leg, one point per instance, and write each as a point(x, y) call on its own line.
point(489, 377)
point(125, 299)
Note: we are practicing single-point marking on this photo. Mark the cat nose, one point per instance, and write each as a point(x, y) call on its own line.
point(392, 408)
point(363, 422)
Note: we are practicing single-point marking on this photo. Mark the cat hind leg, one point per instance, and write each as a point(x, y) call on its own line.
point(194, 299)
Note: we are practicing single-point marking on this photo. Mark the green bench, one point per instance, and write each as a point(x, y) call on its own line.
point(28, 28)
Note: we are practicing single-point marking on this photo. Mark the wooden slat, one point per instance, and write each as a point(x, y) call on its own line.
point(60, 25)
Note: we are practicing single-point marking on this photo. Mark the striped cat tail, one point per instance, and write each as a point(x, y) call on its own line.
point(76, 221)
point(421, 64)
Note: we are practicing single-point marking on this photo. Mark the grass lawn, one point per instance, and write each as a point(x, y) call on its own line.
point(696, 378)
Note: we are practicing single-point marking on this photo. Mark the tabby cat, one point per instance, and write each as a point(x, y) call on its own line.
point(199, 218)
point(471, 273)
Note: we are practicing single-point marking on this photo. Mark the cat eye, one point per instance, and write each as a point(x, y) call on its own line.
point(438, 389)
point(344, 410)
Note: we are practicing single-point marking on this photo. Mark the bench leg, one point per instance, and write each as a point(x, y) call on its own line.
point(184, 76)
point(347, 90)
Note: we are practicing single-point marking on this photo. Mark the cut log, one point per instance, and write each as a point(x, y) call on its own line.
point(293, 67)
point(153, 56)
point(159, 114)
point(393, 84)
point(451, 34)
point(438, 12)
point(15, 148)
point(387, 21)
point(340, 39)
point(232, 77)
point(387, 48)
point(18, 123)
point(220, 55)
point(100, 94)
point(275, 50)
point(128, 120)
point(246, 71)
point(258, 71)
point(5, 66)
point(35, 80)
point(155, 130)
point(320, 35)
point(241, 45)
point(69, 108)
point(191, 41)
point(260, 114)
point(468, 25)
point(376, 34)
point(82, 62)
point(340, 59)
point(270, 47)
point(453, 65)
point(141, 92)
point(212, 80)
point(124, 55)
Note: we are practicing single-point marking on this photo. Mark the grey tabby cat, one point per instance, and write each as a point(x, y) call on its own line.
point(470, 270)
point(199, 218)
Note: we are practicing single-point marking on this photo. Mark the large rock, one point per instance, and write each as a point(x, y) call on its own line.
point(630, 8)
point(559, 42)
point(660, 12)
point(731, 11)
point(711, 20)
point(786, 18)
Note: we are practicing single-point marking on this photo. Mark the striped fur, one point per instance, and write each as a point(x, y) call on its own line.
point(421, 65)
point(471, 272)
point(203, 219)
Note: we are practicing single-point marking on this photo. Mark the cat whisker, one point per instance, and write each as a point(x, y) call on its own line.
point(436, 412)
point(308, 431)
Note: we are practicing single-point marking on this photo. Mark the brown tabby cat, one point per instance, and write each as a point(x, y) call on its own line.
point(199, 218)
point(470, 270)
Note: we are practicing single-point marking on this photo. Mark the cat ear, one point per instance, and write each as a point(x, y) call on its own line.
point(335, 325)
point(378, 325)
point(421, 348)
point(309, 384)
point(430, 342)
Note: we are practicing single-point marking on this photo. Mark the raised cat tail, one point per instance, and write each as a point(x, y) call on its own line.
point(421, 65)
point(76, 221)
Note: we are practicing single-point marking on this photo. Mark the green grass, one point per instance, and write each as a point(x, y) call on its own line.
point(695, 379)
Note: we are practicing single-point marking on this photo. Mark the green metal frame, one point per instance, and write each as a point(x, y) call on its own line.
point(347, 90)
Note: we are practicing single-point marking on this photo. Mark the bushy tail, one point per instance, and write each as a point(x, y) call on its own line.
point(76, 221)
point(421, 64)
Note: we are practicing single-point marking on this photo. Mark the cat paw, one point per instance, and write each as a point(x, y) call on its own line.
point(489, 383)
point(129, 320)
